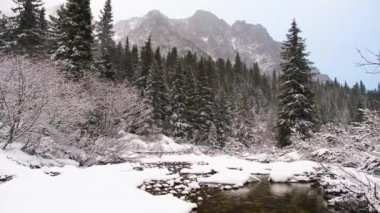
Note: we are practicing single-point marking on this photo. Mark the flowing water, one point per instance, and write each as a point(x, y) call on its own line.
point(267, 198)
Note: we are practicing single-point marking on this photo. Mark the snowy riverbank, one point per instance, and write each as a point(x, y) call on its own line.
point(46, 185)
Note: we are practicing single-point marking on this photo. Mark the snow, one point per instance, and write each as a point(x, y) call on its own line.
point(262, 157)
point(114, 188)
point(109, 188)
point(230, 177)
point(289, 157)
point(320, 152)
point(233, 40)
point(298, 171)
point(163, 144)
point(166, 144)
point(198, 169)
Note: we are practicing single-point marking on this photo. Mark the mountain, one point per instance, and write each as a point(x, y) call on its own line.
point(206, 34)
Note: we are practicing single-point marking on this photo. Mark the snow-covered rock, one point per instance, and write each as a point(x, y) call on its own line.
point(290, 157)
point(197, 169)
point(298, 171)
point(108, 188)
point(230, 177)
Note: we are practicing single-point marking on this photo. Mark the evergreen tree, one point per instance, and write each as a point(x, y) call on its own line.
point(127, 61)
point(296, 106)
point(146, 63)
point(222, 120)
point(190, 101)
point(157, 91)
point(178, 119)
point(135, 63)
point(76, 39)
point(56, 35)
point(106, 44)
point(237, 69)
point(205, 99)
point(8, 27)
point(31, 32)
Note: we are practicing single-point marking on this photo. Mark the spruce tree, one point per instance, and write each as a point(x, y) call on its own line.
point(57, 34)
point(147, 57)
point(30, 33)
point(157, 91)
point(205, 102)
point(76, 38)
point(135, 63)
point(43, 27)
point(296, 112)
point(190, 101)
point(106, 44)
point(178, 119)
point(8, 27)
point(127, 61)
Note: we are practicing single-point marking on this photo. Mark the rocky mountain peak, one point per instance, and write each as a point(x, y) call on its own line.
point(156, 14)
point(206, 34)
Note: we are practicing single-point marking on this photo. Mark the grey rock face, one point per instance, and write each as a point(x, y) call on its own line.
point(206, 34)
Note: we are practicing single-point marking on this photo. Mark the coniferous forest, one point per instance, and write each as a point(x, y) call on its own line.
point(69, 89)
point(194, 97)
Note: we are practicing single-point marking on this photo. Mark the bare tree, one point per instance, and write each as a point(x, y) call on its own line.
point(370, 59)
point(22, 100)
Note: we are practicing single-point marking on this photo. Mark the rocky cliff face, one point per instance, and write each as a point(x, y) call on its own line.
point(205, 34)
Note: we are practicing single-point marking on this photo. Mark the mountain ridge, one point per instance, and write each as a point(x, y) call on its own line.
point(206, 34)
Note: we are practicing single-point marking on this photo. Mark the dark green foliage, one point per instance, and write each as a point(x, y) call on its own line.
point(157, 92)
point(105, 43)
point(75, 37)
point(8, 27)
point(178, 119)
point(147, 57)
point(297, 112)
point(26, 32)
point(205, 99)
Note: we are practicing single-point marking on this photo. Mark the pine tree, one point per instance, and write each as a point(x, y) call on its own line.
point(178, 119)
point(157, 91)
point(106, 44)
point(43, 27)
point(56, 33)
point(237, 69)
point(75, 39)
point(8, 27)
point(31, 31)
point(222, 120)
point(127, 61)
point(205, 103)
point(135, 62)
point(296, 106)
point(190, 101)
point(146, 63)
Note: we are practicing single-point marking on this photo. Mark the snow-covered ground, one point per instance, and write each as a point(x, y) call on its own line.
point(34, 184)
point(113, 188)
point(109, 188)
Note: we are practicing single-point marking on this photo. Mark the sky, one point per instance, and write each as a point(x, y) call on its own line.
point(333, 29)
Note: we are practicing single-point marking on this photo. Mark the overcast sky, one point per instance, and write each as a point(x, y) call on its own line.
point(333, 28)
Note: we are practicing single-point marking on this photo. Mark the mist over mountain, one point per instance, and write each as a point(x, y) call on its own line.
point(206, 34)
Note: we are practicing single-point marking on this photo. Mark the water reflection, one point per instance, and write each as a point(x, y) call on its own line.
point(266, 197)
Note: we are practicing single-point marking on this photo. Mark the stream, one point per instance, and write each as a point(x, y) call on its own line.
point(257, 197)
point(265, 197)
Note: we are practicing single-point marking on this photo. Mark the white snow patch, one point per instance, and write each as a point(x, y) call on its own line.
point(289, 157)
point(109, 188)
point(293, 172)
point(197, 169)
point(230, 177)
point(262, 157)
